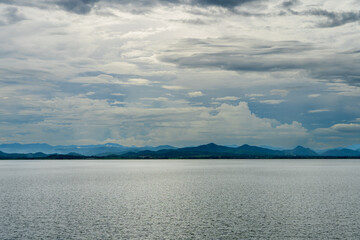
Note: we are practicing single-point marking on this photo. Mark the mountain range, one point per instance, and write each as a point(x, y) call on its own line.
point(86, 150)
point(211, 150)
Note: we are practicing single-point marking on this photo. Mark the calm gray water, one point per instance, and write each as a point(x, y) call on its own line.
point(180, 199)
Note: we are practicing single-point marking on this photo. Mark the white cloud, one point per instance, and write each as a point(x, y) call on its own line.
point(314, 95)
point(122, 52)
point(271, 101)
point(157, 99)
point(195, 94)
point(143, 34)
point(117, 102)
point(344, 89)
point(80, 119)
point(119, 68)
point(318, 110)
point(230, 124)
point(227, 98)
point(279, 92)
point(350, 128)
point(340, 134)
point(253, 95)
point(108, 79)
point(173, 87)
point(138, 82)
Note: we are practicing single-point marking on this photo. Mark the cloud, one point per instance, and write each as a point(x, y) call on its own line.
point(227, 98)
point(345, 89)
point(108, 79)
point(289, 4)
point(315, 95)
point(222, 3)
point(253, 95)
point(334, 19)
point(196, 21)
point(138, 82)
point(347, 128)
point(340, 134)
point(118, 103)
point(11, 15)
point(195, 94)
point(271, 101)
point(117, 67)
point(81, 119)
point(318, 111)
point(279, 92)
point(140, 50)
point(263, 56)
point(173, 87)
point(157, 99)
point(339, 131)
point(90, 93)
point(77, 6)
point(85, 6)
point(242, 55)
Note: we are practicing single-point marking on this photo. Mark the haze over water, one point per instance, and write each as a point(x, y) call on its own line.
point(180, 199)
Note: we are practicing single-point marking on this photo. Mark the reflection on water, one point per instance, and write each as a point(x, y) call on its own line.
point(180, 199)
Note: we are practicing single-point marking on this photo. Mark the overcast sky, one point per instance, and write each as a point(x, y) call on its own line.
point(180, 72)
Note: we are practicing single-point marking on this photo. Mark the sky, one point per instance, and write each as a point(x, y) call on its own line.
point(180, 72)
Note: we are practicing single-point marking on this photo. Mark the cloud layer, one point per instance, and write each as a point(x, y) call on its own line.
point(141, 72)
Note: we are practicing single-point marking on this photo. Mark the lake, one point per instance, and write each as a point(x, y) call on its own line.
point(180, 199)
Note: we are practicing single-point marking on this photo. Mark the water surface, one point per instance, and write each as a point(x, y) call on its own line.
point(180, 199)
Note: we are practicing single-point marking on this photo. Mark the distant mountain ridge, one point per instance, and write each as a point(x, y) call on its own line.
point(211, 150)
point(87, 150)
point(301, 151)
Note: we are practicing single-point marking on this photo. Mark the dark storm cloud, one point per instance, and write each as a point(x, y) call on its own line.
point(85, 6)
point(205, 3)
point(43, 4)
point(245, 55)
point(77, 6)
point(289, 4)
point(222, 3)
point(338, 67)
point(11, 15)
point(332, 19)
point(228, 54)
point(22, 76)
point(335, 19)
point(233, 62)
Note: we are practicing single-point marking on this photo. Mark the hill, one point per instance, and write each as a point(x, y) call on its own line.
point(207, 151)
